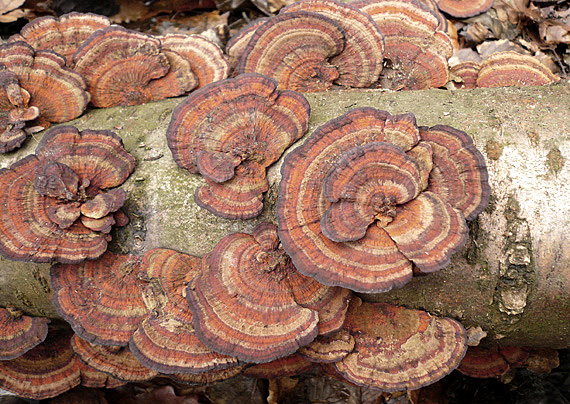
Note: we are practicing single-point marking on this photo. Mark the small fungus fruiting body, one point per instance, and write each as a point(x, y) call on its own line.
point(400, 349)
point(250, 302)
point(513, 69)
point(56, 200)
point(61, 35)
point(464, 8)
point(358, 205)
point(230, 132)
point(19, 333)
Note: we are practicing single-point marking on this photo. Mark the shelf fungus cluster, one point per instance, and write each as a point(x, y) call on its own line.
point(54, 67)
point(369, 197)
point(231, 132)
point(61, 202)
point(36, 88)
point(19, 333)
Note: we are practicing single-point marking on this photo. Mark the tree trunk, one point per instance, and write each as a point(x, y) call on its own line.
point(512, 278)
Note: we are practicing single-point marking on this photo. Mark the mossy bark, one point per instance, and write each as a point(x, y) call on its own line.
point(512, 278)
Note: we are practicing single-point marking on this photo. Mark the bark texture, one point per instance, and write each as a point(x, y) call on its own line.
point(512, 278)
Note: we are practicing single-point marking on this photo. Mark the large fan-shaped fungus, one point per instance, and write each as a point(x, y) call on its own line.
point(230, 132)
point(360, 62)
point(46, 193)
point(37, 87)
point(100, 299)
point(353, 206)
point(166, 340)
point(62, 35)
point(123, 67)
point(19, 333)
point(398, 348)
point(247, 302)
point(415, 43)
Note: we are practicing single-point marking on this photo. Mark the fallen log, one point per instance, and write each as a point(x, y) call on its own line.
point(513, 276)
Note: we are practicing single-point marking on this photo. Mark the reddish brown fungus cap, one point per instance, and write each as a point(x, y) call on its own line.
point(100, 299)
point(459, 173)
point(207, 61)
point(244, 301)
point(62, 35)
point(209, 377)
point(513, 69)
point(93, 378)
point(237, 44)
point(46, 189)
point(118, 65)
point(398, 348)
point(230, 132)
point(360, 62)
point(19, 333)
point(464, 8)
point(351, 226)
point(118, 362)
point(288, 366)
point(166, 341)
point(45, 371)
point(468, 72)
point(295, 49)
point(415, 45)
point(483, 362)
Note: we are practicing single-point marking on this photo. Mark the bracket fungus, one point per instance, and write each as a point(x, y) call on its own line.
point(513, 69)
point(118, 362)
point(415, 44)
point(237, 44)
point(61, 35)
point(251, 303)
point(48, 195)
point(19, 333)
point(100, 299)
point(398, 348)
point(165, 340)
point(287, 366)
point(207, 61)
point(356, 208)
point(123, 67)
point(36, 88)
point(464, 8)
point(230, 132)
point(360, 62)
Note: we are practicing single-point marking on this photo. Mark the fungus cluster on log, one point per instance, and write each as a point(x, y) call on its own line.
point(61, 202)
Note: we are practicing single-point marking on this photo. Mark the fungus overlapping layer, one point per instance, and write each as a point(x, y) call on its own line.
point(45, 193)
point(101, 299)
point(118, 362)
point(166, 341)
point(398, 348)
point(207, 61)
point(62, 35)
point(355, 208)
point(513, 69)
point(415, 43)
point(288, 366)
point(212, 376)
point(247, 302)
point(123, 67)
point(45, 371)
point(483, 362)
point(36, 88)
point(328, 349)
point(237, 44)
point(19, 333)
point(467, 71)
point(464, 8)
point(230, 132)
point(360, 62)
